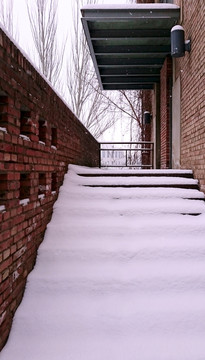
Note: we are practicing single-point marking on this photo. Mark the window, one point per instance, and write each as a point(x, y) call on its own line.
point(42, 184)
point(54, 182)
point(3, 189)
point(25, 123)
point(42, 128)
point(3, 111)
point(25, 186)
point(54, 136)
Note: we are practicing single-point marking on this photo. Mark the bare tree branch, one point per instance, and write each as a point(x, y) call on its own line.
point(84, 93)
point(6, 17)
point(43, 21)
point(97, 109)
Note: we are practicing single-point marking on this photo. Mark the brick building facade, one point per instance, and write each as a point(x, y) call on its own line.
point(189, 71)
point(178, 103)
point(39, 137)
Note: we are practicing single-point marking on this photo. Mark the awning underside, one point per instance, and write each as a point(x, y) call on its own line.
point(128, 45)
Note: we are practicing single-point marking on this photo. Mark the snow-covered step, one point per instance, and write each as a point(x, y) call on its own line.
point(119, 275)
point(147, 185)
point(121, 207)
point(139, 173)
point(82, 171)
point(146, 181)
point(139, 179)
point(136, 193)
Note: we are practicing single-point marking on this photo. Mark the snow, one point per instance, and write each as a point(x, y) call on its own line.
point(2, 208)
point(41, 196)
point(53, 147)
point(177, 27)
point(119, 273)
point(3, 129)
point(139, 181)
point(24, 137)
point(24, 201)
point(84, 170)
point(130, 7)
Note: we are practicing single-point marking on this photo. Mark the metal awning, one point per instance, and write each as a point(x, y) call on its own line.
point(128, 43)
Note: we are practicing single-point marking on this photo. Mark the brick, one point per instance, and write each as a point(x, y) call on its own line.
point(6, 215)
point(19, 253)
point(6, 254)
point(7, 157)
point(4, 236)
point(5, 264)
point(14, 230)
point(5, 274)
point(13, 249)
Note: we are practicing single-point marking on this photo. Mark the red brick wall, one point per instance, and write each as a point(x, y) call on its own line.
point(190, 68)
point(165, 78)
point(29, 169)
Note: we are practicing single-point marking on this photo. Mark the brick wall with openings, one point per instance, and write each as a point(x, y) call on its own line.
point(165, 106)
point(39, 137)
point(191, 70)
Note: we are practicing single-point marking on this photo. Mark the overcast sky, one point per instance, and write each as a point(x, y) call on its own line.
point(117, 133)
point(64, 17)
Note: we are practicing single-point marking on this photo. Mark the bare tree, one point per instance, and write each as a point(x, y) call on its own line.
point(6, 17)
point(84, 94)
point(43, 21)
point(97, 109)
point(129, 104)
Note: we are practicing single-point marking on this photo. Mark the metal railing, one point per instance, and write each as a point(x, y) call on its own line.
point(127, 154)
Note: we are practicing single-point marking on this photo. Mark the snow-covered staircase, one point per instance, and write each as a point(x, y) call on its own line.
point(170, 188)
point(120, 274)
point(143, 178)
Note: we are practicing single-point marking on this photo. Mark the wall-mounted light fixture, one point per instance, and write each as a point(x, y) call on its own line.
point(147, 118)
point(178, 43)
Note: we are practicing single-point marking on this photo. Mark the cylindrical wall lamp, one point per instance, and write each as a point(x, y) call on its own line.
point(147, 118)
point(178, 43)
